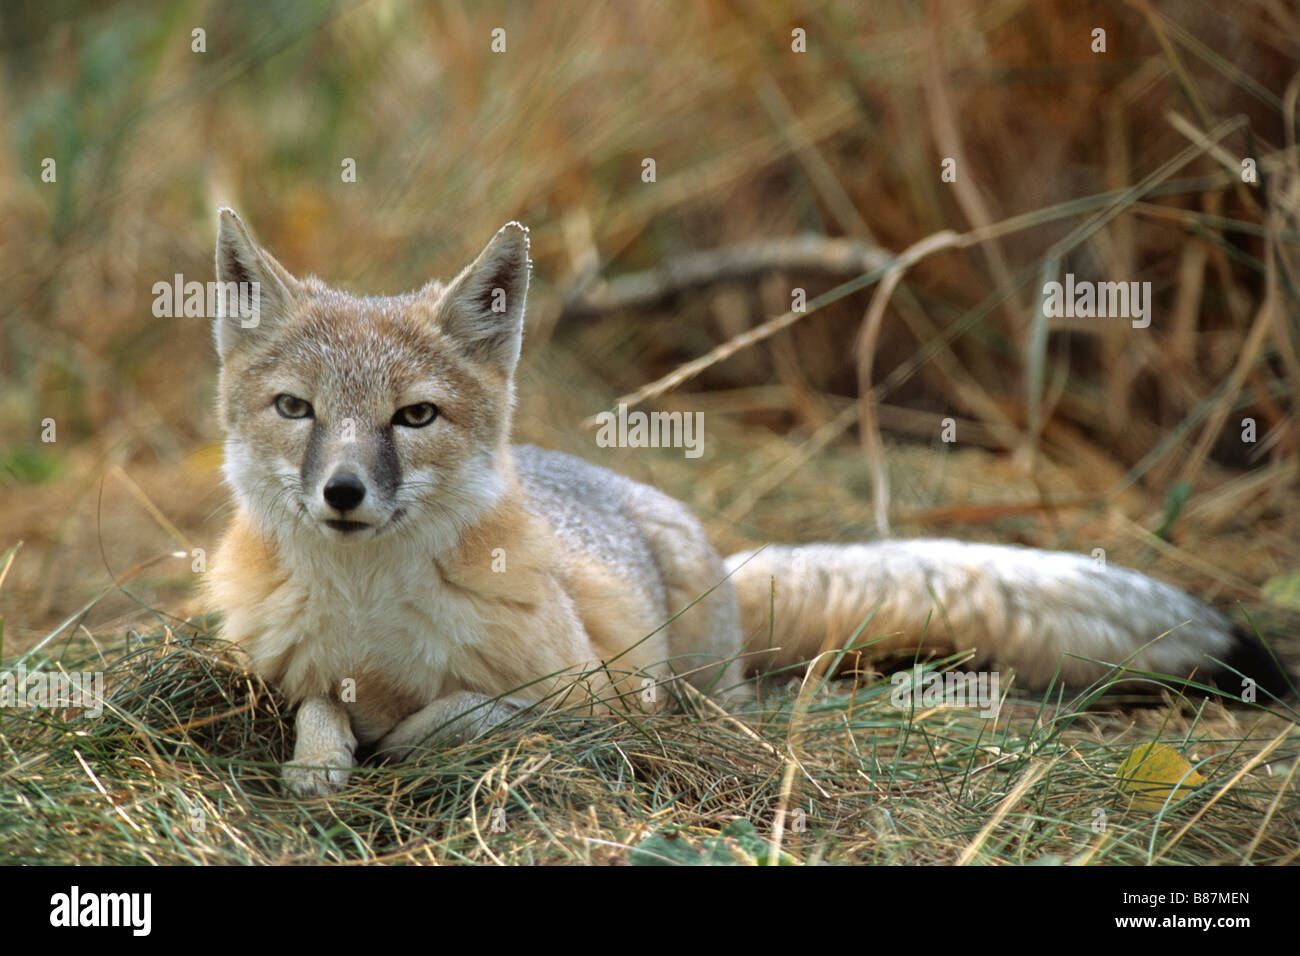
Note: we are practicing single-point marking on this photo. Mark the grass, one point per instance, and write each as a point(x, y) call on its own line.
point(182, 767)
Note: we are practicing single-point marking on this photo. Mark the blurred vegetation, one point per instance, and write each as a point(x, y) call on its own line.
point(751, 140)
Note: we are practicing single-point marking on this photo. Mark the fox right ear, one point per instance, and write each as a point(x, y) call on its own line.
point(262, 287)
point(483, 307)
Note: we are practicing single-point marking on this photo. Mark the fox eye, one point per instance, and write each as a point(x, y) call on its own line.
point(416, 416)
point(290, 406)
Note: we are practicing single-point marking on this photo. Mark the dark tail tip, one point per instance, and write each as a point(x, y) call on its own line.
point(1248, 657)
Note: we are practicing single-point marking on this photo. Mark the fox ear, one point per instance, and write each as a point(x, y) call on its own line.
point(260, 282)
point(483, 308)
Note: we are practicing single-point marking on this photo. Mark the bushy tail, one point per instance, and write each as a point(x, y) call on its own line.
point(1017, 608)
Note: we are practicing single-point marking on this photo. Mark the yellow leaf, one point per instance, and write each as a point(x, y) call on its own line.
point(1284, 589)
point(1152, 771)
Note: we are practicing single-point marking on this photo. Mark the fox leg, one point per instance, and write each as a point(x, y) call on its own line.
point(324, 749)
point(458, 717)
point(704, 639)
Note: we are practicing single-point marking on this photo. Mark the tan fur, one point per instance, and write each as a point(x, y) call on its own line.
point(407, 577)
point(413, 621)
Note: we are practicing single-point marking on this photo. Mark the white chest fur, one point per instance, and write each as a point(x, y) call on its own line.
point(372, 624)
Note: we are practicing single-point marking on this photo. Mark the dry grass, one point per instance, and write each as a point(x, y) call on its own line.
point(183, 768)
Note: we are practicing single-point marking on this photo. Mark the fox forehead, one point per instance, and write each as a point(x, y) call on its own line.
point(359, 355)
point(385, 338)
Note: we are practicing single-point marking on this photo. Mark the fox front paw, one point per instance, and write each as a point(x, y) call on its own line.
point(452, 719)
point(318, 775)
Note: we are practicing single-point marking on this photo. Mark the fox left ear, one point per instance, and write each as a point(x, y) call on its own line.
point(244, 265)
point(483, 308)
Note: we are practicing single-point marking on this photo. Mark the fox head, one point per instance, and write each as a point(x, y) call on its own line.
point(355, 418)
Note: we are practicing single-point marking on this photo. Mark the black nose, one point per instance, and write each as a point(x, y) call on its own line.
point(344, 491)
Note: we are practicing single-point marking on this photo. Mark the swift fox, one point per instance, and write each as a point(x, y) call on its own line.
point(405, 575)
